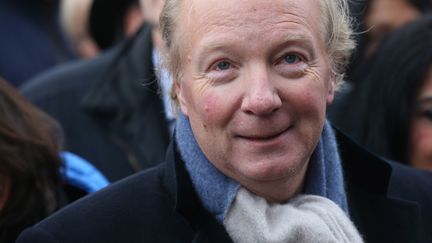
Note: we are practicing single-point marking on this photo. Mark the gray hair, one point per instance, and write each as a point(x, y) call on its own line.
point(336, 32)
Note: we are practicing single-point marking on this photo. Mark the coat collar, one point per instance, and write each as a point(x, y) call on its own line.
point(127, 82)
point(125, 102)
point(379, 215)
point(204, 226)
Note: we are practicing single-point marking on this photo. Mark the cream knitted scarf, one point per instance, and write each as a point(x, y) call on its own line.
point(305, 218)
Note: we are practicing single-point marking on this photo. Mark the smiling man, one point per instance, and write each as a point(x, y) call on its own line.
point(256, 94)
point(253, 158)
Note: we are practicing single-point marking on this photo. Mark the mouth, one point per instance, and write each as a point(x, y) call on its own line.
point(263, 137)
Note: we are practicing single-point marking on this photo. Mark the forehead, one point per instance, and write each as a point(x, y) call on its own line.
point(262, 17)
point(251, 8)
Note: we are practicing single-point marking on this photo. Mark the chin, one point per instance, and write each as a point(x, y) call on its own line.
point(268, 171)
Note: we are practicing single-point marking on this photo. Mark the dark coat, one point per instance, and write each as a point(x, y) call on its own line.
point(388, 203)
point(109, 107)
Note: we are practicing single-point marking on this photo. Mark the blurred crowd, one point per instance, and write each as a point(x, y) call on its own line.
point(84, 97)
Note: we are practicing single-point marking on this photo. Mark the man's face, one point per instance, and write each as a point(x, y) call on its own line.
point(255, 85)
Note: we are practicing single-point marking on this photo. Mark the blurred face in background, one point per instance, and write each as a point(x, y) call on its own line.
point(75, 15)
point(384, 16)
point(420, 146)
point(255, 84)
point(151, 11)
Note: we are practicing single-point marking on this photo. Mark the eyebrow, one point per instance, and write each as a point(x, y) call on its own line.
point(207, 49)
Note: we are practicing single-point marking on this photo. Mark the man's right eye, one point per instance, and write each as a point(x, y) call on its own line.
point(292, 59)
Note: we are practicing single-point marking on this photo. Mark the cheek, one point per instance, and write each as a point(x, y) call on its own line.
point(422, 138)
point(317, 88)
point(213, 108)
point(209, 109)
point(309, 99)
point(421, 141)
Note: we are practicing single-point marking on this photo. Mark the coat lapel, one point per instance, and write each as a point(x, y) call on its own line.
point(126, 102)
point(379, 216)
point(204, 226)
point(383, 219)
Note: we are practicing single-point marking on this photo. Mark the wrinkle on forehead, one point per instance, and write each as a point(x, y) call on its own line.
point(262, 12)
point(268, 15)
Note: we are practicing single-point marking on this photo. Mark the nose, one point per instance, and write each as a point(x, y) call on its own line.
point(261, 97)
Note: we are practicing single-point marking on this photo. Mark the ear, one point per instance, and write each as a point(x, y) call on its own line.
point(181, 97)
point(331, 89)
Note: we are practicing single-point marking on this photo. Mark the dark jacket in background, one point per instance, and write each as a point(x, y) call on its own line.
point(109, 107)
point(388, 203)
point(31, 39)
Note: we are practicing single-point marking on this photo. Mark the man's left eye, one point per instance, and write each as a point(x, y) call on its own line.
point(223, 65)
point(291, 58)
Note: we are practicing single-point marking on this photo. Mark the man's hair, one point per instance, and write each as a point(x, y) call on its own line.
point(336, 32)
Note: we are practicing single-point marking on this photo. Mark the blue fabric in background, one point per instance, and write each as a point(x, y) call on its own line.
point(82, 174)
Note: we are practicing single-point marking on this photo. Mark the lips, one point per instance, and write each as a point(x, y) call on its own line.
point(264, 136)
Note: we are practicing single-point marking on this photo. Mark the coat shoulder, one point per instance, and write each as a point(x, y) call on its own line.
point(135, 209)
point(66, 79)
point(410, 183)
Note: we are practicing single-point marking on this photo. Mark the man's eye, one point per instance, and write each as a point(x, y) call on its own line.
point(291, 58)
point(223, 65)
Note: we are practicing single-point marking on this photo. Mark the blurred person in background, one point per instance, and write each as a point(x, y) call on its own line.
point(390, 110)
point(36, 177)
point(74, 19)
point(92, 26)
point(111, 107)
point(31, 39)
point(111, 21)
point(375, 19)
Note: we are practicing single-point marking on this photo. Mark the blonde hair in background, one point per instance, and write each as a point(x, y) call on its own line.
point(74, 20)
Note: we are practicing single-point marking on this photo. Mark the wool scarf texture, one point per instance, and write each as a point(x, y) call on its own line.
point(220, 194)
